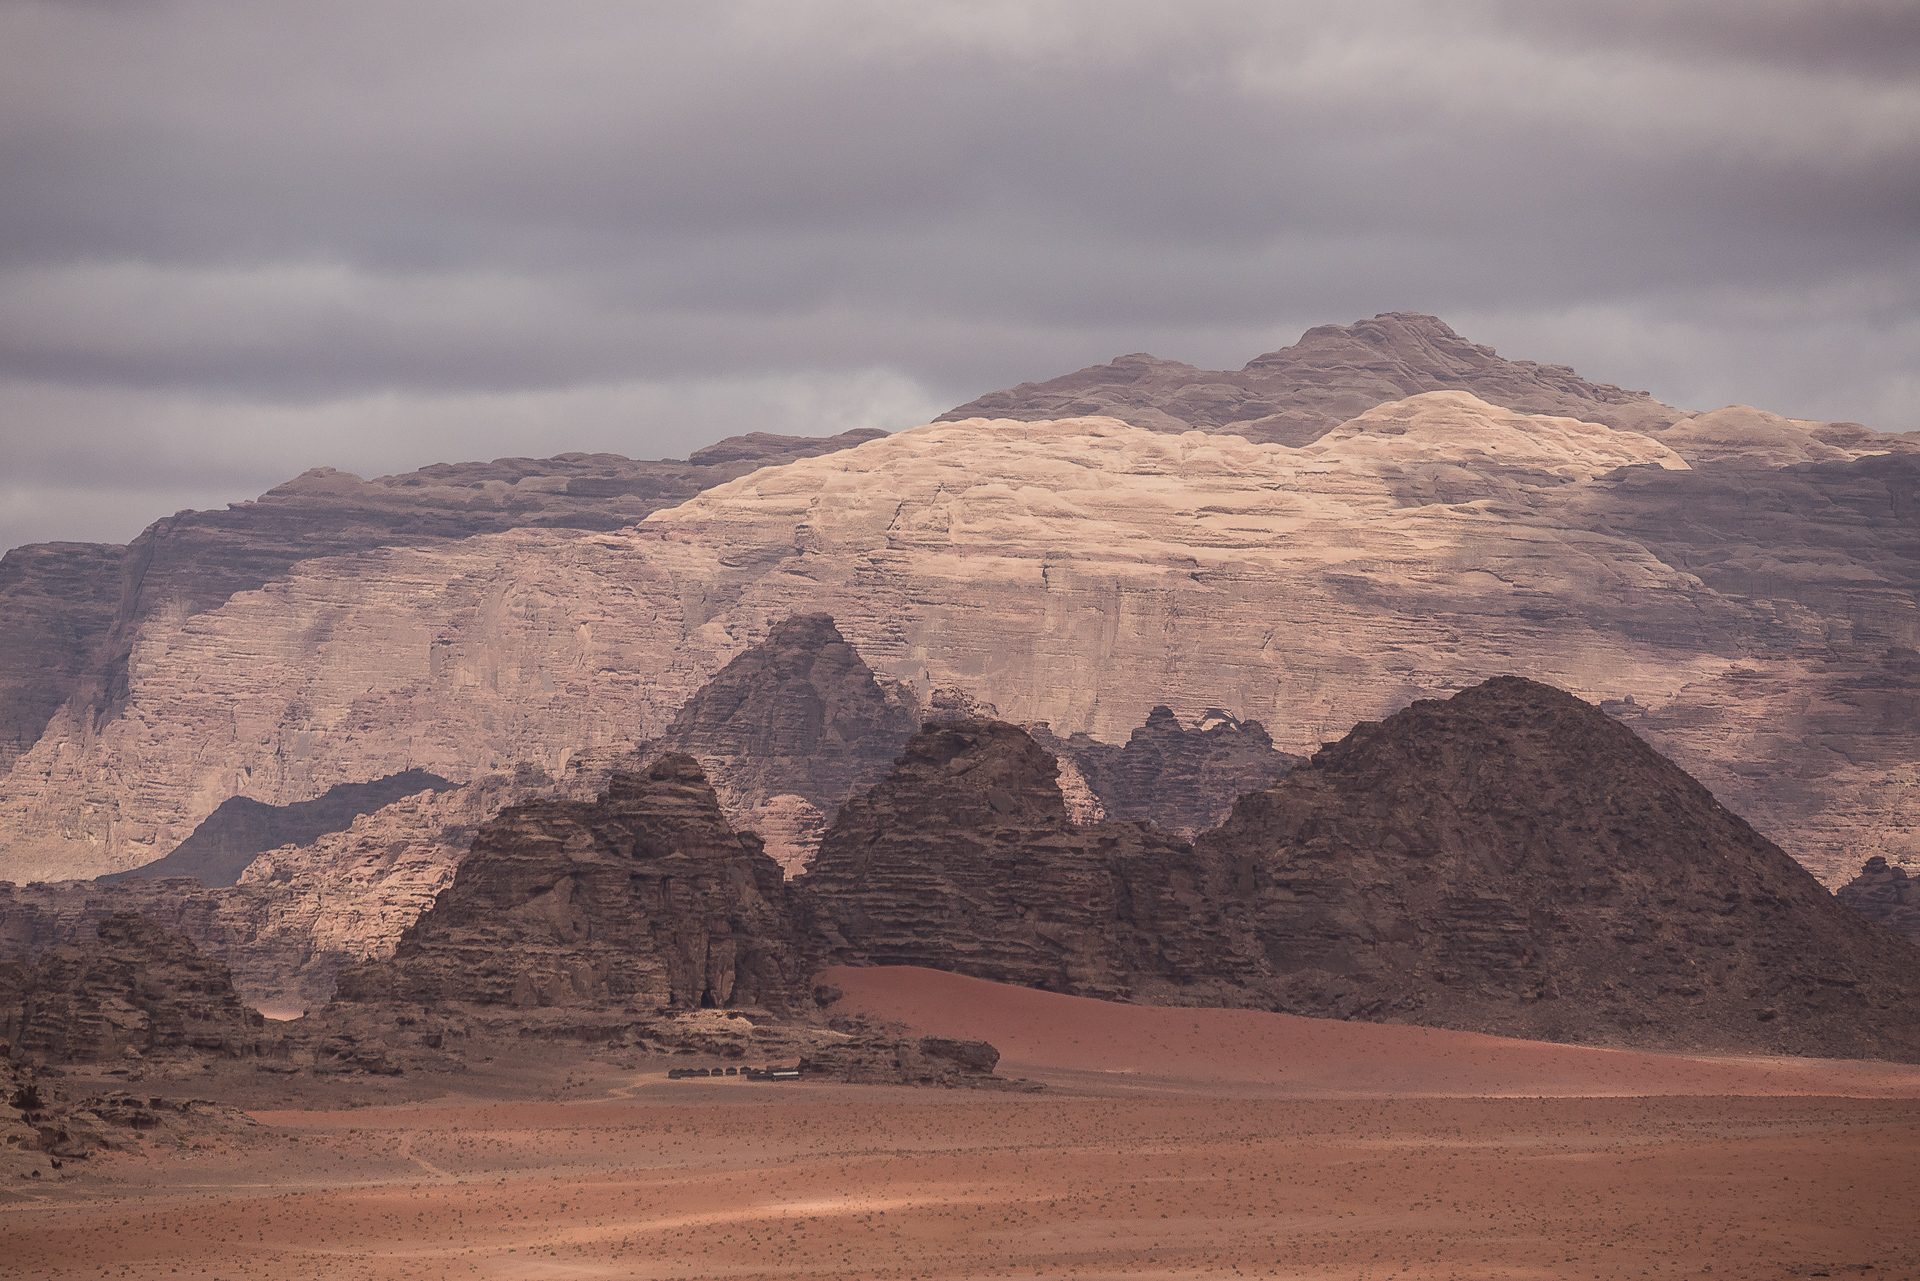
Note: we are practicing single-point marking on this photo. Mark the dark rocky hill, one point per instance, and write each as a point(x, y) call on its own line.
point(964, 859)
point(643, 898)
point(1335, 372)
point(1513, 860)
point(135, 990)
point(1885, 895)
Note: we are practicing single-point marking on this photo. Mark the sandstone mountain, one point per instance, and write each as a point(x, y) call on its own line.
point(242, 829)
point(964, 859)
point(71, 613)
point(136, 990)
point(1886, 895)
point(1075, 574)
point(788, 730)
point(1512, 860)
point(644, 898)
point(1335, 372)
point(1182, 780)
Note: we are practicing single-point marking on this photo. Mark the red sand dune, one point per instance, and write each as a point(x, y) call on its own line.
point(1039, 1033)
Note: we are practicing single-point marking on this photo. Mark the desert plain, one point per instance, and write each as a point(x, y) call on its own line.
point(1129, 1142)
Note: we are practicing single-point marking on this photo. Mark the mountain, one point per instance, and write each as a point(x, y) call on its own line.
point(1335, 372)
point(1181, 779)
point(1755, 624)
point(964, 859)
point(788, 730)
point(1886, 895)
point(71, 614)
point(1513, 860)
point(644, 897)
point(1510, 860)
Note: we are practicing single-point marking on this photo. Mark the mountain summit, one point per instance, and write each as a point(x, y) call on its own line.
point(1335, 372)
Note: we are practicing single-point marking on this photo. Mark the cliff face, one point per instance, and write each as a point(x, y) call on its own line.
point(1514, 861)
point(964, 859)
point(1885, 895)
point(644, 899)
point(71, 614)
point(1074, 574)
point(1182, 780)
point(1335, 372)
point(136, 990)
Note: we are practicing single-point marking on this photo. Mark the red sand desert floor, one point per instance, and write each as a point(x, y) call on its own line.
point(1166, 1143)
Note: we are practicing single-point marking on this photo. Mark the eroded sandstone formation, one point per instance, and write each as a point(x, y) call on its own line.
point(135, 990)
point(964, 859)
point(1886, 895)
point(1181, 779)
point(788, 730)
point(1512, 860)
point(644, 898)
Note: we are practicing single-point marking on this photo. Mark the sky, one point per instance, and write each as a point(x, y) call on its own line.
point(240, 240)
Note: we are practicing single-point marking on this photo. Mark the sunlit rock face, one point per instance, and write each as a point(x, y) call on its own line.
point(1077, 573)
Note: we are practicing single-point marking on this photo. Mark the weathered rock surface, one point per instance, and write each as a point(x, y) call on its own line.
point(1335, 372)
point(1885, 895)
point(644, 898)
point(70, 613)
point(242, 829)
point(788, 730)
point(1076, 574)
point(1514, 861)
point(964, 859)
point(1182, 780)
point(137, 990)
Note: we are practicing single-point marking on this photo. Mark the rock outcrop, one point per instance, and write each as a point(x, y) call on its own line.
point(788, 730)
point(1294, 395)
point(964, 859)
point(643, 899)
point(71, 613)
point(1077, 574)
point(1886, 895)
point(242, 829)
point(1512, 860)
point(136, 990)
point(1182, 780)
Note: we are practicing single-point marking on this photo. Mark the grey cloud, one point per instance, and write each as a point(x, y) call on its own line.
point(277, 209)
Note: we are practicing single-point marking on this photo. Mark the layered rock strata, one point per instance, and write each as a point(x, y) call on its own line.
point(71, 613)
point(1076, 574)
point(964, 859)
point(136, 990)
point(644, 898)
point(1512, 860)
point(1885, 895)
point(1181, 779)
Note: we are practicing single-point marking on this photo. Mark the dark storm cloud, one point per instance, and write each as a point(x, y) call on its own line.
point(255, 238)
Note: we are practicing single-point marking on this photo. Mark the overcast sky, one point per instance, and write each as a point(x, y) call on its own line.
point(241, 240)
